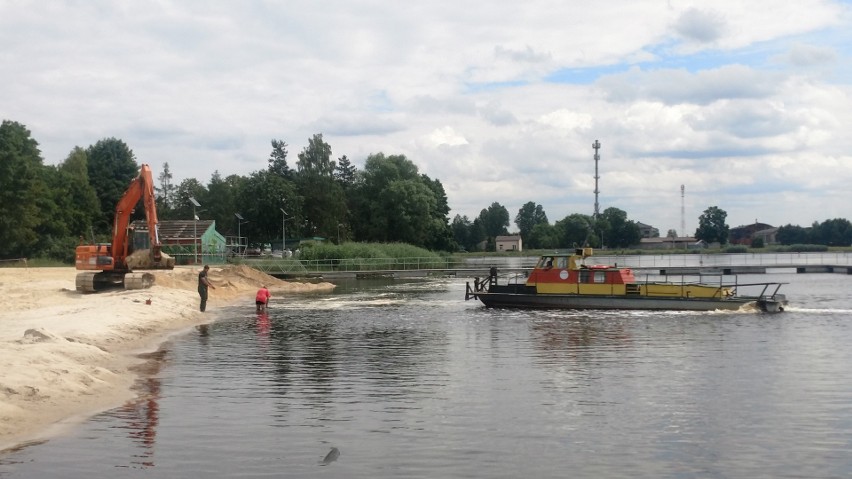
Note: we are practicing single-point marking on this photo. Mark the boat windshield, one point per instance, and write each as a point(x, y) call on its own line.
point(548, 262)
point(545, 262)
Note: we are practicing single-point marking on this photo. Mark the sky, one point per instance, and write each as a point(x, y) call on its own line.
point(747, 105)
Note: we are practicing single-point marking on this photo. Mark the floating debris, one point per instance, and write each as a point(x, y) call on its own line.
point(332, 456)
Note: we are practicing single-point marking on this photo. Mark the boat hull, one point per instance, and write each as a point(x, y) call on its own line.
point(526, 297)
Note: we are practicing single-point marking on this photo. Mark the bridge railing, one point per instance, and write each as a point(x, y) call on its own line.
point(381, 264)
point(514, 263)
point(294, 265)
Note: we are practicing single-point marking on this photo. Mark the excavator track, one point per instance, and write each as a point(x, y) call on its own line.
point(86, 282)
point(138, 280)
point(92, 282)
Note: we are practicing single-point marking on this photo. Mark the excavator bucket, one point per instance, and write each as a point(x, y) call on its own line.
point(143, 259)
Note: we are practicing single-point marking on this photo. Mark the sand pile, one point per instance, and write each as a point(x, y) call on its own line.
point(66, 355)
point(236, 281)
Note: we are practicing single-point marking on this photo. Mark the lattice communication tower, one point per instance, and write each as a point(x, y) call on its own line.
point(597, 145)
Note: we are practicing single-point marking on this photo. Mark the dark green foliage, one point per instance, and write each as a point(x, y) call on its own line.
point(790, 234)
point(736, 249)
point(74, 195)
point(220, 202)
point(393, 202)
point(323, 201)
point(183, 207)
point(165, 192)
point(22, 191)
point(758, 243)
point(345, 172)
point(618, 231)
point(259, 201)
point(278, 160)
point(111, 166)
point(529, 216)
point(542, 236)
point(834, 232)
point(575, 230)
point(315, 159)
point(495, 220)
point(466, 234)
point(59, 248)
point(712, 227)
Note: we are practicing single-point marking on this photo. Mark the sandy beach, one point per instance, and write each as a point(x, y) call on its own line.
point(66, 355)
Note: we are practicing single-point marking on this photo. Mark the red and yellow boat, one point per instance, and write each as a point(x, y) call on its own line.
point(564, 281)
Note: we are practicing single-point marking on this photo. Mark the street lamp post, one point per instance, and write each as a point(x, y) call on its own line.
point(283, 233)
point(195, 204)
point(338, 232)
point(239, 236)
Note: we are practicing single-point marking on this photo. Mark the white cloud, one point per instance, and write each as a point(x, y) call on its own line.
point(691, 95)
point(446, 136)
point(802, 55)
point(703, 26)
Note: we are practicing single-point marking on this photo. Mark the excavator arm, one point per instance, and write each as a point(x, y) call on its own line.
point(142, 187)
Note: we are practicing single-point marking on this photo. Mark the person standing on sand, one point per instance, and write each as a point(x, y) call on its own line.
point(262, 299)
point(203, 284)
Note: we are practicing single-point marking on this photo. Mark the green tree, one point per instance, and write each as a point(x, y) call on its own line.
point(712, 227)
point(370, 213)
point(792, 234)
point(315, 159)
point(461, 227)
point(165, 193)
point(575, 230)
point(439, 236)
point(619, 232)
point(183, 207)
point(278, 160)
point(259, 201)
point(528, 217)
point(409, 205)
point(833, 232)
point(112, 166)
point(495, 220)
point(345, 172)
point(323, 200)
point(543, 236)
point(74, 195)
point(220, 202)
point(22, 190)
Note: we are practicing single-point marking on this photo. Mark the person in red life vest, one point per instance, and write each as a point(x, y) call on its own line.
point(262, 299)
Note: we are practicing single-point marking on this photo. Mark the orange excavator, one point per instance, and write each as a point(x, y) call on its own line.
point(106, 265)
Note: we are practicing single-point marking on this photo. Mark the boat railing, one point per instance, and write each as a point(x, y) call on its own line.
point(725, 281)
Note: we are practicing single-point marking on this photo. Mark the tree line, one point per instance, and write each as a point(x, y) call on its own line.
point(712, 227)
point(46, 209)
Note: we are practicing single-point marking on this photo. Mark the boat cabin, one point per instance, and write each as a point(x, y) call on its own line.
point(566, 274)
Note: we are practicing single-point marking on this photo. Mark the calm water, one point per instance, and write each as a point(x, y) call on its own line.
point(409, 380)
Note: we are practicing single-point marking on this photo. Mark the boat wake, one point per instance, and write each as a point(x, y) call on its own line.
point(794, 309)
point(347, 302)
